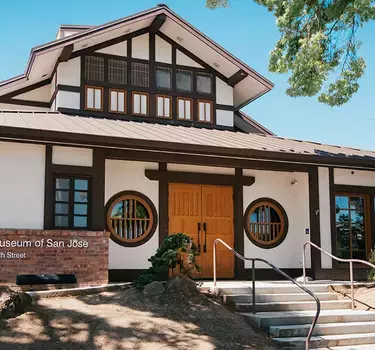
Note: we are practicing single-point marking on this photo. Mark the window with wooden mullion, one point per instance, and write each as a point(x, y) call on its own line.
point(163, 106)
point(117, 101)
point(184, 108)
point(140, 103)
point(205, 111)
point(93, 98)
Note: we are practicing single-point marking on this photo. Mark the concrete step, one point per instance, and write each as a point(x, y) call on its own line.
point(328, 340)
point(230, 299)
point(350, 347)
point(266, 319)
point(322, 329)
point(271, 289)
point(294, 306)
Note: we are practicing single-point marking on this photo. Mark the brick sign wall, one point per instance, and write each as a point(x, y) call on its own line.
point(26, 252)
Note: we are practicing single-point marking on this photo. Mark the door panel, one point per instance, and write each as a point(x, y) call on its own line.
point(217, 219)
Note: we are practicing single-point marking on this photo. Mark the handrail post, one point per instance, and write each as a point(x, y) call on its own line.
point(214, 266)
point(253, 281)
point(304, 263)
point(352, 284)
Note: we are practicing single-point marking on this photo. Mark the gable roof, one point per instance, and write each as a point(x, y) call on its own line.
point(44, 59)
point(69, 129)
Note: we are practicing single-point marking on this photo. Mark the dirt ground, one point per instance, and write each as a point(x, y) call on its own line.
point(364, 296)
point(127, 320)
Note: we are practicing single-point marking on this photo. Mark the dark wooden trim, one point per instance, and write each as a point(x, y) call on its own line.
point(48, 189)
point(199, 178)
point(163, 205)
point(314, 217)
point(354, 189)
point(239, 242)
point(224, 107)
point(237, 77)
point(13, 101)
point(157, 23)
point(98, 190)
point(70, 88)
point(332, 204)
point(72, 169)
point(66, 53)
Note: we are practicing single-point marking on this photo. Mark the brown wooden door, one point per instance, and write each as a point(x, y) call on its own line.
point(209, 208)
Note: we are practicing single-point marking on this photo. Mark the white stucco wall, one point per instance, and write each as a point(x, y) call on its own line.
point(122, 176)
point(325, 216)
point(68, 99)
point(163, 50)
point(224, 93)
point(140, 47)
point(354, 177)
point(225, 118)
point(184, 60)
point(119, 49)
point(69, 73)
point(295, 200)
point(22, 185)
point(72, 156)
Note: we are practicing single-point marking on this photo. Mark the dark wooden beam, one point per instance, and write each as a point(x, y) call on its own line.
point(237, 77)
point(66, 53)
point(157, 23)
point(198, 178)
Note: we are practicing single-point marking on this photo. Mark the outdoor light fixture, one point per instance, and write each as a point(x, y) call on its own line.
point(180, 39)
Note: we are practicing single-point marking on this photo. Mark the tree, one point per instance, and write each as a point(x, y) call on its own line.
point(318, 45)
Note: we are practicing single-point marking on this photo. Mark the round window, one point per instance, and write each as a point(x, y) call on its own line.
point(266, 223)
point(131, 218)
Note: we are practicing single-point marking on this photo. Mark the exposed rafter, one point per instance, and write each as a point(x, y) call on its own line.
point(157, 23)
point(237, 77)
point(66, 53)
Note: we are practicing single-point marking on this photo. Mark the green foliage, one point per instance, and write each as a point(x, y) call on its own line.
point(318, 45)
point(371, 273)
point(177, 251)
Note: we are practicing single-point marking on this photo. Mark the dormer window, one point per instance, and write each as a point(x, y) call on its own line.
point(205, 111)
point(184, 108)
point(117, 71)
point(204, 83)
point(184, 80)
point(94, 68)
point(140, 74)
point(140, 103)
point(163, 78)
point(94, 98)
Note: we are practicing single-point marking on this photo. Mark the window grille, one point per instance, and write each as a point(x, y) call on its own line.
point(117, 71)
point(140, 74)
point(94, 68)
point(204, 83)
point(184, 80)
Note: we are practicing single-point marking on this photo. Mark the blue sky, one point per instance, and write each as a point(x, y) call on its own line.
point(245, 29)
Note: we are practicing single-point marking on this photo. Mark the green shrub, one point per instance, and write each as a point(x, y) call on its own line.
point(371, 273)
point(168, 256)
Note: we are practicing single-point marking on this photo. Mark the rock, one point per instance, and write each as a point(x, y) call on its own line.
point(153, 288)
point(13, 303)
point(182, 284)
point(300, 279)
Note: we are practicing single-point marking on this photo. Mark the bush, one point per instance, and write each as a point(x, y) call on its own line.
point(177, 251)
point(371, 273)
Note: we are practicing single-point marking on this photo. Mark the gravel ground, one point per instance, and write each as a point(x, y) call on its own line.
point(127, 320)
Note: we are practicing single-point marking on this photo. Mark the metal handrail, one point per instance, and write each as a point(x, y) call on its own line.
point(350, 261)
point(253, 260)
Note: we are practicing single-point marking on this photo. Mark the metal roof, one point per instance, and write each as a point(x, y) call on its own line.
point(162, 134)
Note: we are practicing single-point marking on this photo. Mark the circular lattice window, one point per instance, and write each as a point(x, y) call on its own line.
point(266, 223)
point(131, 218)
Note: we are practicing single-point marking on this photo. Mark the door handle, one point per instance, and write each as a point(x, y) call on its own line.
point(199, 234)
point(205, 238)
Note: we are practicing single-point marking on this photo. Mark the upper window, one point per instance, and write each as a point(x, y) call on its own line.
point(140, 74)
point(205, 111)
point(184, 80)
point(117, 101)
point(71, 204)
point(140, 103)
point(204, 83)
point(117, 71)
point(351, 230)
point(163, 106)
point(94, 98)
point(131, 218)
point(184, 110)
point(94, 68)
point(266, 223)
point(163, 78)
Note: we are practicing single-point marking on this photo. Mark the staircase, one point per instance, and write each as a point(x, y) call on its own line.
point(286, 312)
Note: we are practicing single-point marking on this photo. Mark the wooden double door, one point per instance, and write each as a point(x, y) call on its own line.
point(204, 213)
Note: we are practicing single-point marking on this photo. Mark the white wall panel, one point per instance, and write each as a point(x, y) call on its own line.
point(119, 49)
point(224, 118)
point(163, 50)
point(354, 177)
point(184, 60)
point(140, 47)
point(224, 93)
point(72, 156)
point(69, 73)
point(68, 99)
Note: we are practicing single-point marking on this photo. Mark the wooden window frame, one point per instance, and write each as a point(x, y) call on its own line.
point(211, 114)
point(147, 203)
point(147, 103)
point(71, 202)
point(284, 223)
point(110, 101)
point(101, 98)
point(191, 108)
point(170, 106)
